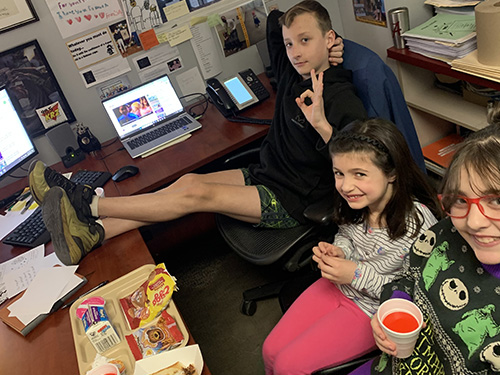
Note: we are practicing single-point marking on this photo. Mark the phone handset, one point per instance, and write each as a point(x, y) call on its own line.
point(219, 94)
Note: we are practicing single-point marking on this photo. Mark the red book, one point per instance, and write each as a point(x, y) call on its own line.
point(441, 151)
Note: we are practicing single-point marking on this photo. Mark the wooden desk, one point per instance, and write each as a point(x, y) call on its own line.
point(49, 348)
point(216, 138)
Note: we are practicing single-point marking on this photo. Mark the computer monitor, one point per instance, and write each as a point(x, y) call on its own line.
point(16, 147)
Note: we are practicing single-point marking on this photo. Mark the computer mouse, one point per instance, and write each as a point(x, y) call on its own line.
point(125, 172)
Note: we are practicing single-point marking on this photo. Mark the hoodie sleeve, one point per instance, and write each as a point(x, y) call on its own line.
point(275, 44)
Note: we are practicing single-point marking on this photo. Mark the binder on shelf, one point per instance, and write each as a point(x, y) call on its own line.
point(23, 329)
point(441, 152)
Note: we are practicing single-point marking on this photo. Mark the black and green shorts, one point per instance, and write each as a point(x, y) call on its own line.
point(273, 214)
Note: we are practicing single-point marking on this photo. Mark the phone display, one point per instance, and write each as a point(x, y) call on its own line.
point(238, 92)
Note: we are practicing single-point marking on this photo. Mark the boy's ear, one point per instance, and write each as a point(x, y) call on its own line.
point(330, 36)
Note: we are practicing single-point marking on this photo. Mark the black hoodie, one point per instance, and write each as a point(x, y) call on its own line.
point(294, 159)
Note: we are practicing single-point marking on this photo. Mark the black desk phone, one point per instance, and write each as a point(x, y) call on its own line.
point(236, 93)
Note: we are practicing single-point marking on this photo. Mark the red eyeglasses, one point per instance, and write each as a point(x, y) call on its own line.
point(458, 206)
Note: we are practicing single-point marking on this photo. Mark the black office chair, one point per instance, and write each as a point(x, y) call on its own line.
point(381, 95)
point(290, 247)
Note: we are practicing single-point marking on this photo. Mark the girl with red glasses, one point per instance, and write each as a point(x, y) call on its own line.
point(453, 271)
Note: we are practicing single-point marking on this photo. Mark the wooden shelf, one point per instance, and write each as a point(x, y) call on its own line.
point(436, 66)
point(417, 76)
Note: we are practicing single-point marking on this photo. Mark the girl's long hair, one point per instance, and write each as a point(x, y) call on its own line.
point(384, 143)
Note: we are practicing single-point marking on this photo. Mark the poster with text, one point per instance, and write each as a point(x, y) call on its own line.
point(74, 17)
point(92, 48)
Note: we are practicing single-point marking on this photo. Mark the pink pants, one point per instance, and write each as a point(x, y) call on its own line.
point(322, 328)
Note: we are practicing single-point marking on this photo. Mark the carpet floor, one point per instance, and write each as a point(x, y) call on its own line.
point(211, 280)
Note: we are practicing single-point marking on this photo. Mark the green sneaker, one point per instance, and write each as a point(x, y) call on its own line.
point(72, 238)
point(42, 178)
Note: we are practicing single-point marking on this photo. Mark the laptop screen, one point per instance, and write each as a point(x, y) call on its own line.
point(143, 106)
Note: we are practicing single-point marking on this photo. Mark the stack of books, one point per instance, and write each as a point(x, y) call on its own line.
point(444, 37)
point(438, 154)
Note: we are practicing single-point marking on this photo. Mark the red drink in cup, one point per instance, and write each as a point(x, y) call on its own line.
point(401, 321)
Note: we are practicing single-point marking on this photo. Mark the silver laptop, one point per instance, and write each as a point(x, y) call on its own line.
point(149, 116)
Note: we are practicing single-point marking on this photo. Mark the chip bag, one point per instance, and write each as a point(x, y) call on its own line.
point(148, 301)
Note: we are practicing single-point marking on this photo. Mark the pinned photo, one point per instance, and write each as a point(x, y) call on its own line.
point(127, 43)
point(242, 27)
point(370, 11)
point(174, 64)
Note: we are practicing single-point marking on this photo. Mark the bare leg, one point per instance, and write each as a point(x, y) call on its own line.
point(222, 192)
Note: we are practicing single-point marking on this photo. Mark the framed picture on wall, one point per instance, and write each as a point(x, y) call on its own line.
point(16, 13)
point(33, 87)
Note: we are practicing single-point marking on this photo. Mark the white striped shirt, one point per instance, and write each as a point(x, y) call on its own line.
point(379, 259)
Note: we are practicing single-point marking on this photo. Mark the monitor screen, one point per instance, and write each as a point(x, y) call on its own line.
point(15, 145)
point(143, 106)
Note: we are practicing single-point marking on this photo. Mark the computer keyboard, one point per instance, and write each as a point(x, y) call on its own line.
point(92, 178)
point(32, 232)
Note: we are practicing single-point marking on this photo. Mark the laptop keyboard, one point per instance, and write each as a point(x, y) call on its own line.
point(158, 132)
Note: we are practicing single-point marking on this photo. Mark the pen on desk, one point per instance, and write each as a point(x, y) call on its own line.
point(84, 294)
point(27, 205)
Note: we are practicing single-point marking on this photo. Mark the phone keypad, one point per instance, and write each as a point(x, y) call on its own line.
point(255, 85)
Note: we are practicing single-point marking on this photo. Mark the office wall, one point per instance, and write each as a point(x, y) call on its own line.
point(85, 102)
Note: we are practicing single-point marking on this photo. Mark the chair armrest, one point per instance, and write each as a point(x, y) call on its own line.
point(319, 212)
point(242, 159)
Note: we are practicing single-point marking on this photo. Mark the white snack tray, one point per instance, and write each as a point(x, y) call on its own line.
point(112, 292)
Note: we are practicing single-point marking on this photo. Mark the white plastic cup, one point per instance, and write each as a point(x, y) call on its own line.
point(405, 340)
point(99, 191)
point(107, 369)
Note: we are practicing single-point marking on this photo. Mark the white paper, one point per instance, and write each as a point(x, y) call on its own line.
point(25, 260)
point(48, 286)
point(158, 55)
point(205, 50)
point(105, 70)
point(191, 82)
point(153, 73)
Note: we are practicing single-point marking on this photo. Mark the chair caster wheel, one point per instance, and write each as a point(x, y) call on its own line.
point(248, 307)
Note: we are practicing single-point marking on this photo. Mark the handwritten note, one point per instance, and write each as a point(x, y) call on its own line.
point(179, 35)
point(176, 10)
point(148, 39)
point(12, 274)
point(74, 17)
